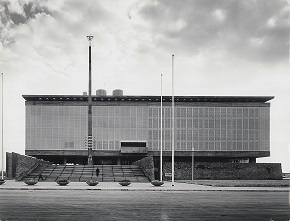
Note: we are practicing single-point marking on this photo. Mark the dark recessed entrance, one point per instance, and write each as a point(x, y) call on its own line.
point(133, 143)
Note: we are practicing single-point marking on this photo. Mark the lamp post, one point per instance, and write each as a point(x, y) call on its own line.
point(90, 133)
point(192, 162)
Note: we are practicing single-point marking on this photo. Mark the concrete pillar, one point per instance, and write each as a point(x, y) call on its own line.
point(118, 160)
point(252, 160)
point(64, 160)
point(9, 165)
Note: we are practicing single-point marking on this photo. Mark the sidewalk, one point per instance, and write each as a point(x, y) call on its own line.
point(115, 186)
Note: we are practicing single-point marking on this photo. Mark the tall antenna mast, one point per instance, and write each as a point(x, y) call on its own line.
point(90, 121)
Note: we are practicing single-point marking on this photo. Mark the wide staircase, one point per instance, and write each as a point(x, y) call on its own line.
point(81, 173)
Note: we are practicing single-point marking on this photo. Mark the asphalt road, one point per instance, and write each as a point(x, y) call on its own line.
point(142, 205)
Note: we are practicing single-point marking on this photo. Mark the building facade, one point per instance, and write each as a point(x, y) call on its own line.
point(127, 128)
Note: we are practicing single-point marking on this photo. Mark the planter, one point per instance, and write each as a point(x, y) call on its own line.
point(31, 182)
point(125, 182)
point(92, 182)
point(62, 182)
point(157, 183)
point(2, 181)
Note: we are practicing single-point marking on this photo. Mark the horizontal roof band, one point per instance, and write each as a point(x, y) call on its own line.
point(149, 98)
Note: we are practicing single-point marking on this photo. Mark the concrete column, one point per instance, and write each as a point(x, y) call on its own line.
point(9, 165)
point(252, 160)
point(64, 160)
point(118, 160)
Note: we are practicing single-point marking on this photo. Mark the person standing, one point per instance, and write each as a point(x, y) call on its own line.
point(97, 171)
point(40, 177)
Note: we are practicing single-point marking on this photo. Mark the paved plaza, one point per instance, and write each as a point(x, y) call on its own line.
point(142, 205)
point(141, 201)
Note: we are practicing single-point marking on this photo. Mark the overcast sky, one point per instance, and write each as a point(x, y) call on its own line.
point(221, 47)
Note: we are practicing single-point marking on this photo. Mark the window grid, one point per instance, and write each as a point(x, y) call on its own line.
point(217, 128)
point(201, 128)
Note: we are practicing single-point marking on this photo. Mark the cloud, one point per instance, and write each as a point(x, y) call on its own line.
point(255, 30)
point(19, 12)
point(16, 13)
point(53, 47)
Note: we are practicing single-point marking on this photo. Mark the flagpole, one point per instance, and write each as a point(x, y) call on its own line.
point(161, 130)
point(2, 165)
point(173, 140)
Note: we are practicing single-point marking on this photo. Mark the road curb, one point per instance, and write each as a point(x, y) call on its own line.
point(152, 190)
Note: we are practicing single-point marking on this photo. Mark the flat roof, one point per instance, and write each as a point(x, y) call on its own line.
point(259, 99)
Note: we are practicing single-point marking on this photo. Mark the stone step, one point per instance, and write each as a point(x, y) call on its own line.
point(81, 173)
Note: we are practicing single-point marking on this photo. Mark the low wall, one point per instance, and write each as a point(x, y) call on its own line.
point(147, 165)
point(22, 165)
point(225, 171)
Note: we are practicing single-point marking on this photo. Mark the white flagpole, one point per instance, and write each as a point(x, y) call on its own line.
point(2, 166)
point(161, 130)
point(173, 128)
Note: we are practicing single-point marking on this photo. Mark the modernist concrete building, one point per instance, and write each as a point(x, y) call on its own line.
point(127, 128)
